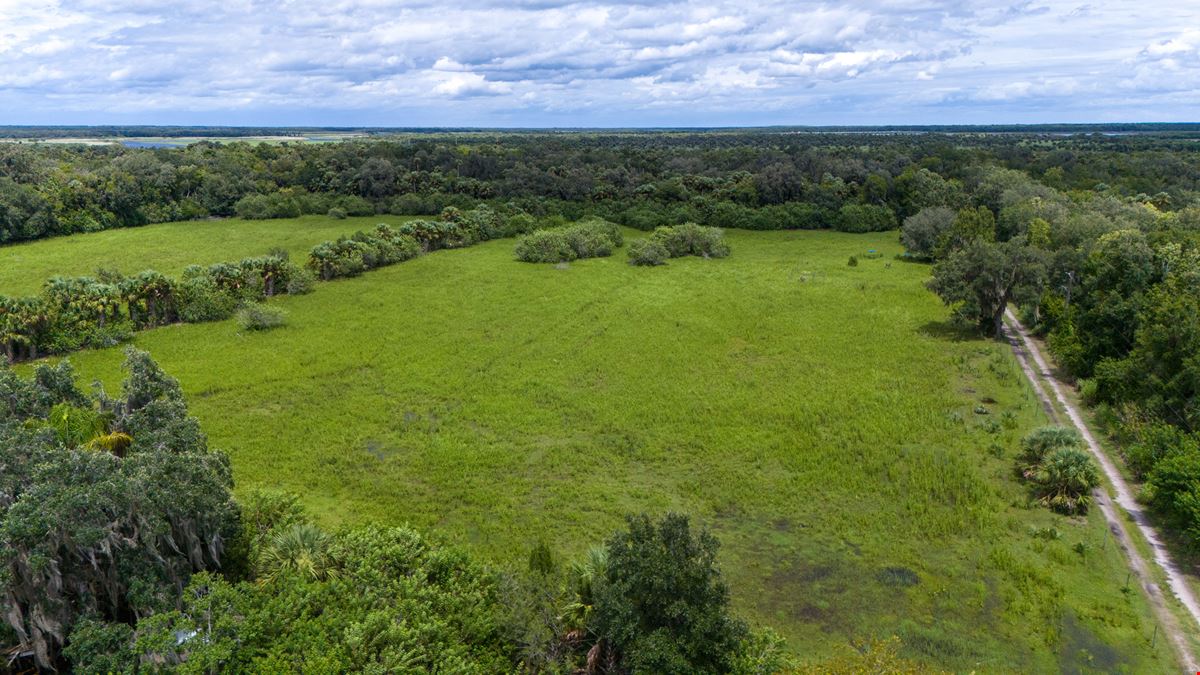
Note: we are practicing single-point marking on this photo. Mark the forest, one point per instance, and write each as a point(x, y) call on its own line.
point(1092, 235)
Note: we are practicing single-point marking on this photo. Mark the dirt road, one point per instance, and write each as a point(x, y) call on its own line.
point(1040, 378)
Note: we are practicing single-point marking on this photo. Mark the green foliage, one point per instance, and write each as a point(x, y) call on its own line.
point(300, 549)
point(396, 604)
point(648, 252)
point(1043, 440)
point(591, 238)
point(337, 213)
point(22, 399)
point(545, 246)
point(1173, 489)
point(202, 300)
point(258, 317)
point(301, 282)
point(865, 218)
point(980, 280)
point(1154, 442)
point(130, 530)
point(690, 239)
point(99, 647)
point(1065, 479)
point(969, 227)
point(924, 231)
point(541, 559)
point(663, 606)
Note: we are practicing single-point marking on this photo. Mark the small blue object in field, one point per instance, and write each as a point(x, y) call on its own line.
point(870, 250)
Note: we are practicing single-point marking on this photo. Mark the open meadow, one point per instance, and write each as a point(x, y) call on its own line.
point(168, 247)
point(852, 451)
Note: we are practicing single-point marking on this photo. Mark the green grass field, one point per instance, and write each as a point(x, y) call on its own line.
point(167, 247)
point(820, 418)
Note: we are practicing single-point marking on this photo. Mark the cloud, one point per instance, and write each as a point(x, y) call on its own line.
point(540, 62)
point(461, 85)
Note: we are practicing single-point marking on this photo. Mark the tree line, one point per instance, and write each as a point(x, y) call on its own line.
point(757, 180)
point(1112, 284)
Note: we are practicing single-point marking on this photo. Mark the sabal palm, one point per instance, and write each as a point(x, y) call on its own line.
point(586, 576)
point(1066, 479)
point(86, 428)
point(301, 549)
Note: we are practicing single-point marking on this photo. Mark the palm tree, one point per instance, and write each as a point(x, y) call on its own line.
point(586, 576)
point(300, 549)
point(1066, 479)
point(32, 318)
point(8, 327)
point(86, 428)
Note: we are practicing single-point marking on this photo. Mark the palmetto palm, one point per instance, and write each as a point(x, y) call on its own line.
point(86, 428)
point(9, 334)
point(586, 575)
point(300, 549)
point(1066, 479)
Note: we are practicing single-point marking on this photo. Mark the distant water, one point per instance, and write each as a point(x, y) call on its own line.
point(153, 144)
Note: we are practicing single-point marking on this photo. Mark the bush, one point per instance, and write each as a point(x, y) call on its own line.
point(520, 223)
point(283, 204)
point(1173, 489)
point(865, 218)
point(647, 252)
point(692, 239)
point(587, 244)
point(301, 281)
point(545, 246)
point(1037, 444)
point(1066, 479)
point(662, 606)
point(261, 317)
point(336, 213)
point(852, 262)
point(201, 300)
point(592, 238)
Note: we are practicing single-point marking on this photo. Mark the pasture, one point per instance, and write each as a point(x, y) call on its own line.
point(168, 247)
point(852, 451)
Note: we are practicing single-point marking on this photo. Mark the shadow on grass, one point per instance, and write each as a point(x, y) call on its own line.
point(951, 331)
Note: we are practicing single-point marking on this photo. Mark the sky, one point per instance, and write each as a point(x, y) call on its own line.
point(543, 63)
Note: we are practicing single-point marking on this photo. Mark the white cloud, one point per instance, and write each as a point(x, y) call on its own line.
point(595, 61)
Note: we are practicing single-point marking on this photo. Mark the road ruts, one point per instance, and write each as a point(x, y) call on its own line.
point(1024, 348)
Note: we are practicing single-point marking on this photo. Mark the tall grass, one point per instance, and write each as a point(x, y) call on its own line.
point(819, 417)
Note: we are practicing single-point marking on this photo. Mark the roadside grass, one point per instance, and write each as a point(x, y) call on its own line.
point(1188, 561)
point(821, 419)
point(168, 247)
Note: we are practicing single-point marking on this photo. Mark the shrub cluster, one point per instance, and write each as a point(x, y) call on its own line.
point(351, 256)
point(592, 238)
point(388, 245)
point(647, 252)
point(105, 310)
point(257, 316)
point(1061, 470)
point(101, 311)
point(692, 239)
